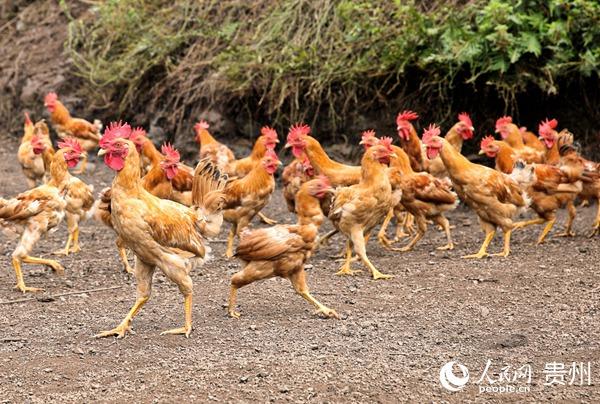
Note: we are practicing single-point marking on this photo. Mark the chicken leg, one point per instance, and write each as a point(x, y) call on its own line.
point(506, 250)
point(490, 231)
point(143, 275)
point(572, 212)
point(345, 269)
point(596, 226)
point(298, 280)
point(358, 241)
point(20, 282)
point(381, 236)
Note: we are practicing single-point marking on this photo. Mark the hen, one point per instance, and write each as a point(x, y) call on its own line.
point(31, 163)
point(409, 140)
point(283, 250)
point(219, 154)
point(494, 197)
point(161, 233)
point(296, 173)
point(512, 135)
point(461, 131)
point(37, 211)
point(266, 141)
point(245, 197)
point(88, 134)
point(357, 209)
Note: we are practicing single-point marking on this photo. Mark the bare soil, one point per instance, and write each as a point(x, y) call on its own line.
point(539, 305)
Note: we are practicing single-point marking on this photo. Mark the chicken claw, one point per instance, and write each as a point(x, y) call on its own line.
point(266, 219)
point(234, 314)
point(449, 246)
point(118, 331)
point(24, 289)
point(479, 255)
point(185, 330)
point(345, 270)
point(327, 312)
point(569, 233)
point(378, 275)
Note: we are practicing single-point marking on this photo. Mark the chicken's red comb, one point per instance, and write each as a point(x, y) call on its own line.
point(201, 125)
point(138, 135)
point(505, 120)
point(367, 134)
point(486, 141)
point(466, 119)
point(50, 98)
point(547, 127)
point(268, 132)
point(113, 131)
point(27, 119)
point(432, 131)
point(387, 142)
point(406, 116)
point(324, 180)
point(70, 143)
point(170, 152)
point(298, 130)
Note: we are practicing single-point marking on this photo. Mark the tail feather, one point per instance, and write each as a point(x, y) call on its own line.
point(207, 187)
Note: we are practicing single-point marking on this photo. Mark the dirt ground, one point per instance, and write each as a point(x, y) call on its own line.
point(538, 306)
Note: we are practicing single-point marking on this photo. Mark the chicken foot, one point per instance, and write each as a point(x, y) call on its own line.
point(572, 212)
point(359, 241)
point(298, 280)
point(346, 269)
point(489, 235)
point(187, 328)
point(266, 220)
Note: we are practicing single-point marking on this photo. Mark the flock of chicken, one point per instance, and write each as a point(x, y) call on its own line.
point(165, 212)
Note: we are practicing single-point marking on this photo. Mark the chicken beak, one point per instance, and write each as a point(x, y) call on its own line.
point(481, 152)
point(287, 145)
point(361, 142)
point(394, 155)
point(472, 128)
point(101, 152)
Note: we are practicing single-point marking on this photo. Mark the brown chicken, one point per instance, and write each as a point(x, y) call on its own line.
point(512, 135)
point(422, 195)
point(461, 131)
point(161, 233)
point(549, 187)
point(245, 197)
point(266, 141)
point(531, 140)
point(569, 157)
point(37, 211)
point(549, 136)
point(494, 197)
point(409, 140)
point(88, 134)
point(78, 195)
point(296, 173)
point(283, 250)
point(357, 209)
point(218, 153)
point(304, 145)
point(31, 163)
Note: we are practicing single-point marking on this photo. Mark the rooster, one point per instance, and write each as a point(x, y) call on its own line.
point(78, 195)
point(549, 137)
point(161, 233)
point(494, 197)
point(245, 197)
point(461, 131)
point(31, 163)
point(88, 134)
point(409, 140)
point(283, 250)
point(357, 209)
point(219, 154)
point(37, 211)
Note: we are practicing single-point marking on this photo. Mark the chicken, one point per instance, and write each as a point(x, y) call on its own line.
point(266, 141)
point(549, 136)
point(494, 197)
point(304, 145)
point(569, 157)
point(167, 180)
point(461, 131)
point(283, 250)
point(357, 209)
point(531, 140)
point(512, 135)
point(78, 195)
point(38, 210)
point(296, 173)
point(218, 153)
point(422, 195)
point(88, 134)
point(245, 197)
point(409, 140)
point(549, 187)
point(32, 164)
point(161, 233)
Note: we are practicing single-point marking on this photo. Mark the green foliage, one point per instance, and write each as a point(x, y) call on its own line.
point(294, 59)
